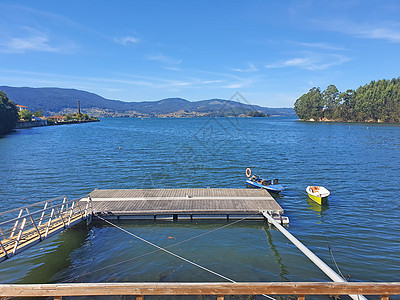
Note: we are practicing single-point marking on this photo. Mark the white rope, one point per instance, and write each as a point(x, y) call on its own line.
point(330, 249)
point(154, 251)
point(167, 251)
point(173, 254)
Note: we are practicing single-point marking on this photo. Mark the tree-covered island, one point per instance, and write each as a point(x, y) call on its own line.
point(378, 101)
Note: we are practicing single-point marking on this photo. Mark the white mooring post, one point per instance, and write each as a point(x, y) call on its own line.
point(315, 259)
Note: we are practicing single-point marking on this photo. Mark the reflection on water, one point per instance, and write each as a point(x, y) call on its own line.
point(282, 267)
point(316, 207)
point(59, 259)
point(46, 259)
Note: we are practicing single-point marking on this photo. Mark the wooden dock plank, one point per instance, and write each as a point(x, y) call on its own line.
point(203, 288)
point(184, 201)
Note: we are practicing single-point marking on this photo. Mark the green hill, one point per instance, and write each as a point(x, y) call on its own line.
point(58, 101)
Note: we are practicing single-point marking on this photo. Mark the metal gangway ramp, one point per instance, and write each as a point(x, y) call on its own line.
point(23, 227)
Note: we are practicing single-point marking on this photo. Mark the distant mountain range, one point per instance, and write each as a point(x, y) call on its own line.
point(54, 101)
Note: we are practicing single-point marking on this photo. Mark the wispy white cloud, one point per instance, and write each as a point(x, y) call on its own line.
point(170, 68)
point(389, 31)
point(126, 40)
point(320, 46)
point(311, 61)
point(32, 40)
point(305, 61)
point(250, 68)
point(383, 33)
point(234, 85)
point(211, 81)
point(173, 83)
point(160, 57)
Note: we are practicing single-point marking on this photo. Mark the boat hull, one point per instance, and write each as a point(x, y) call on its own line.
point(319, 200)
point(273, 188)
point(320, 197)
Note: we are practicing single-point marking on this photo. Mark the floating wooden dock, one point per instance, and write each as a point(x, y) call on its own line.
point(32, 224)
point(181, 203)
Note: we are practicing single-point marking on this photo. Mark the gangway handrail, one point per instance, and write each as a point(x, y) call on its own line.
point(41, 202)
point(29, 205)
point(38, 211)
point(140, 289)
point(30, 228)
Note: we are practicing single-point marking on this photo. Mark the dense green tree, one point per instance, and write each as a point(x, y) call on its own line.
point(310, 105)
point(331, 100)
point(8, 114)
point(345, 110)
point(25, 114)
point(38, 113)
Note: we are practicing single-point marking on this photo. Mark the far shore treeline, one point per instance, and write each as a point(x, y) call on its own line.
point(378, 101)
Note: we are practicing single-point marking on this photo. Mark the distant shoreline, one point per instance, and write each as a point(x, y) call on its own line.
point(72, 122)
point(31, 124)
point(347, 121)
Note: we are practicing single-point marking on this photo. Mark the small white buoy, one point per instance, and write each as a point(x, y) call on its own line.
point(119, 148)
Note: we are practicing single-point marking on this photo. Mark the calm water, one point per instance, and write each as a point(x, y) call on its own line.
point(358, 163)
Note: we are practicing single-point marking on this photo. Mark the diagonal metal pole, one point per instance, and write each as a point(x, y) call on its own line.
point(16, 223)
point(315, 259)
point(19, 236)
point(71, 210)
point(4, 250)
point(34, 224)
point(42, 215)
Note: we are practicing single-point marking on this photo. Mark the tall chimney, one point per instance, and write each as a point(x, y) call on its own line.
point(79, 107)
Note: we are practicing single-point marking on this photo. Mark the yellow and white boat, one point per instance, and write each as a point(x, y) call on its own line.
point(318, 193)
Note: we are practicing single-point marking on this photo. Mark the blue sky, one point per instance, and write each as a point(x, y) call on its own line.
point(270, 51)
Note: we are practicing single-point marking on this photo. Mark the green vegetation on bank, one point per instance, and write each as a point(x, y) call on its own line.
point(257, 114)
point(8, 114)
point(78, 117)
point(25, 114)
point(71, 118)
point(378, 101)
point(38, 113)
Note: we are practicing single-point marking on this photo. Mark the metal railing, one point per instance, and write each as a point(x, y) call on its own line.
point(31, 224)
point(140, 290)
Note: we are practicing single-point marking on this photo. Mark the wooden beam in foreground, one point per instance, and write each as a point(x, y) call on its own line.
point(243, 288)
